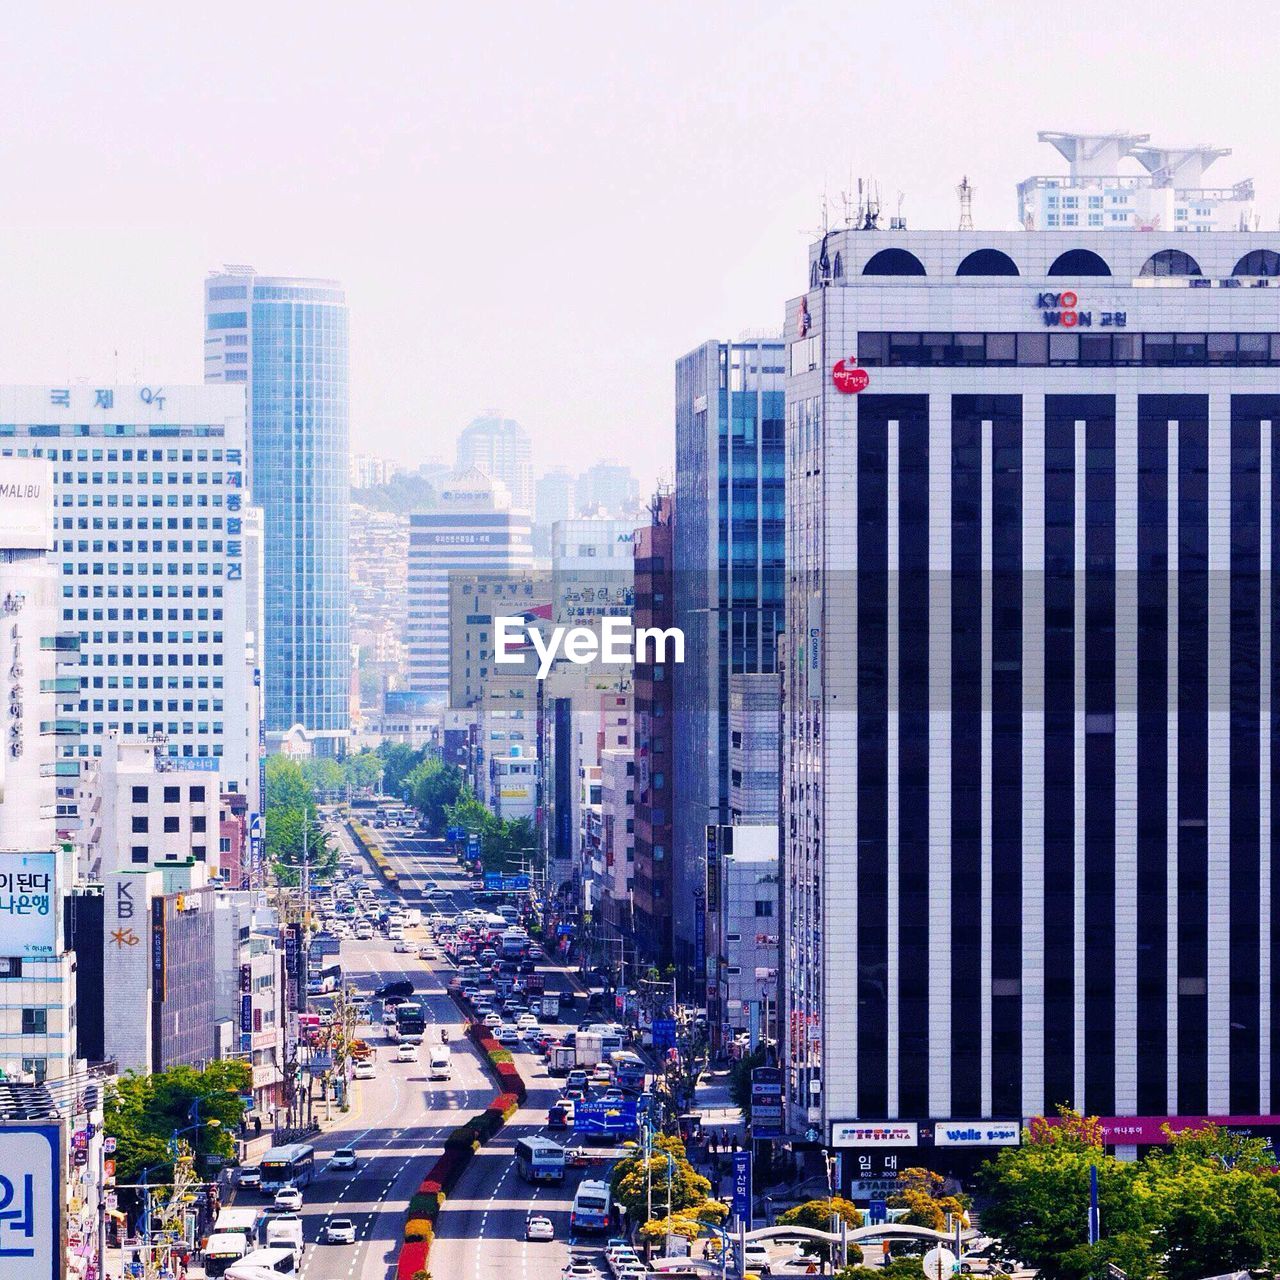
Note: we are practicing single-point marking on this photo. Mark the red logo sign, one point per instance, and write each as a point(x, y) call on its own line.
point(848, 378)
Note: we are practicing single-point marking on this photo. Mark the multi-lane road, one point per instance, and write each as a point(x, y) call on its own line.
point(398, 1122)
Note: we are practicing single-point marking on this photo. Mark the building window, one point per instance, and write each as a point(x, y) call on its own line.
point(764, 908)
point(172, 795)
point(140, 824)
point(197, 795)
point(171, 824)
point(198, 823)
point(10, 966)
point(38, 1067)
point(138, 853)
point(35, 1022)
point(140, 795)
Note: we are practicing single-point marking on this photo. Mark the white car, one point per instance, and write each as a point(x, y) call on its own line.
point(365, 1070)
point(343, 1158)
point(755, 1257)
point(288, 1198)
point(580, 1271)
point(403, 946)
point(525, 1021)
point(493, 1019)
point(539, 1228)
point(339, 1231)
point(407, 1052)
point(506, 1034)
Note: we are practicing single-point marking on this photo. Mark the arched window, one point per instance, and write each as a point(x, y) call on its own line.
point(988, 262)
point(837, 267)
point(893, 262)
point(1170, 262)
point(1258, 262)
point(1079, 262)
point(813, 275)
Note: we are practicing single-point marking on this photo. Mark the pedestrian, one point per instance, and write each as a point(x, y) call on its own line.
point(257, 1126)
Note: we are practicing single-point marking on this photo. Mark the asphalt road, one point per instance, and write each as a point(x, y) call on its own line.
point(399, 1120)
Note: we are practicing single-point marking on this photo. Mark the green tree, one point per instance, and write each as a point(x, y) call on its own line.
point(285, 830)
point(816, 1214)
point(631, 1178)
point(322, 774)
point(142, 1112)
point(1039, 1203)
point(740, 1080)
point(433, 787)
point(287, 786)
point(362, 770)
point(398, 761)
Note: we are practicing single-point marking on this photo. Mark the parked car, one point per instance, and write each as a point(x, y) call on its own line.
point(339, 1231)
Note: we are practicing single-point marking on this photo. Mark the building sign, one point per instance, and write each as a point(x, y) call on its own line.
point(766, 1102)
point(873, 1133)
point(804, 321)
point(742, 1187)
point(1149, 1130)
point(26, 504)
point(977, 1133)
point(1062, 310)
point(494, 882)
point(158, 943)
point(848, 378)
point(31, 1202)
point(29, 903)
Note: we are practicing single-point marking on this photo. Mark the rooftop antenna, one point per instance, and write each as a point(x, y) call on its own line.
point(965, 192)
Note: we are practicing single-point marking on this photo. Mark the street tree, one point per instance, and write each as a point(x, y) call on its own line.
point(634, 1177)
point(817, 1215)
point(920, 1194)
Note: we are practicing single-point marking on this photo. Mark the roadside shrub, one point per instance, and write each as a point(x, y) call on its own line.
point(418, 1229)
point(412, 1261)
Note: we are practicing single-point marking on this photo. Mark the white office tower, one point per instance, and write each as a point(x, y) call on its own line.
point(150, 497)
point(1030, 733)
point(501, 448)
point(474, 527)
point(1119, 182)
point(37, 972)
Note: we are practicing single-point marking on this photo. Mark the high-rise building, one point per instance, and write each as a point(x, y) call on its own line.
point(472, 528)
point(475, 600)
point(592, 570)
point(610, 488)
point(728, 590)
point(754, 717)
point(285, 340)
point(501, 449)
point(654, 744)
point(554, 499)
point(155, 549)
point(1030, 681)
point(37, 965)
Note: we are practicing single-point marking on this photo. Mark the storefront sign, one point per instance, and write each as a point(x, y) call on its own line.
point(28, 900)
point(873, 1133)
point(1149, 1130)
point(977, 1133)
point(848, 378)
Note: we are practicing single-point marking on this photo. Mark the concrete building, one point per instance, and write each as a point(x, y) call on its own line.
point(500, 449)
point(475, 599)
point(155, 560)
point(654, 752)
point(1120, 182)
point(729, 554)
point(755, 713)
point(1031, 515)
point(473, 529)
point(609, 487)
point(368, 470)
point(283, 342)
point(592, 570)
point(616, 877)
point(506, 759)
point(554, 499)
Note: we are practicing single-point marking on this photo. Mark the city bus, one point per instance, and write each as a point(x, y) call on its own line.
point(289, 1166)
point(540, 1160)
point(410, 1023)
point(590, 1208)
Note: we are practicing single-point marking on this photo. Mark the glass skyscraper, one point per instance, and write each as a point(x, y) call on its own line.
point(286, 339)
point(729, 547)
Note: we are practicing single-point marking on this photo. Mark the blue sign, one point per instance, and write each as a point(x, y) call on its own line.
point(597, 1118)
point(700, 937)
point(877, 1212)
point(473, 846)
point(496, 883)
point(564, 931)
point(32, 1213)
point(742, 1187)
point(455, 834)
point(664, 1033)
point(326, 944)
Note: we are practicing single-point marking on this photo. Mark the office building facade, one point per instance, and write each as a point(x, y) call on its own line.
point(285, 341)
point(474, 528)
point(502, 450)
point(729, 547)
point(1029, 686)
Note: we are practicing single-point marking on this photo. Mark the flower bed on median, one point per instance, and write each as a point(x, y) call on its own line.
point(381, 862)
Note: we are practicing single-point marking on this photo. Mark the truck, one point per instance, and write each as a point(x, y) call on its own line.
point(534, 983)
point(588, 1049)
point(550, 1006)
point(285, 1233)
point(561, 1059)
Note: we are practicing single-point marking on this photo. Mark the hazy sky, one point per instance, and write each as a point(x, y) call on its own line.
point(538, 207)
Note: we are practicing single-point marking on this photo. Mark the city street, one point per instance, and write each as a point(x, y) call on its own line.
point(399, 1119)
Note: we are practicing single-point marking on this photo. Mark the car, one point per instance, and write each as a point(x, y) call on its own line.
point(250, 1176)
point(365, 1070)
point(399, 990)
point(339, 1231)
point(343, 1158)
point(614, 1095)
point(403, 947)
point(527, 1022)
point(539, 1228)
point(536, 952)
point(389, 1016)
point(506, 1034)
point(577, 1077)
point(426, 953)
point(755, 1256)
point(406, 1052)
point(580, 1271)
point(622, 1258)
point(289, 1199)
point(492, 1019)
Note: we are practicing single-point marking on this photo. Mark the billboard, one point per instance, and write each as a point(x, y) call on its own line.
point(977, 1133)
point(766, 1102)
point(26, 504)
point(872, 1133)
point(29, 903)
point(31, 1201)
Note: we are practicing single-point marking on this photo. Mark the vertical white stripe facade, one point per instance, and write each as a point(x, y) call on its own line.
point(891, 675)
point(1264, 771)
point(1171, 784)
point(985, 819)
point(1078, 792)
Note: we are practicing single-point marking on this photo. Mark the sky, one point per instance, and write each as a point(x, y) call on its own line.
point(536, 208)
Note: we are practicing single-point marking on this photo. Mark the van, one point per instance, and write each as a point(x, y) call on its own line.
point(441, 1065)
point(285, 1233)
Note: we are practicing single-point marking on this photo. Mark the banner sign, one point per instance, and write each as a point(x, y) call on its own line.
point(977, 1133)
point(742, 1187)
point(870, 1133)
point(32, 1204)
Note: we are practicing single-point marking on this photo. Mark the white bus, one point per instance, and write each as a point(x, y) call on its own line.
point(590, 1211)
point(541, 1160)
point(289, 1166)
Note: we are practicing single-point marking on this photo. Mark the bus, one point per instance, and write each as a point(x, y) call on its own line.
point(540, 1160)
point(289, 1166)
point(410, 1023)
point(590, 1212)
